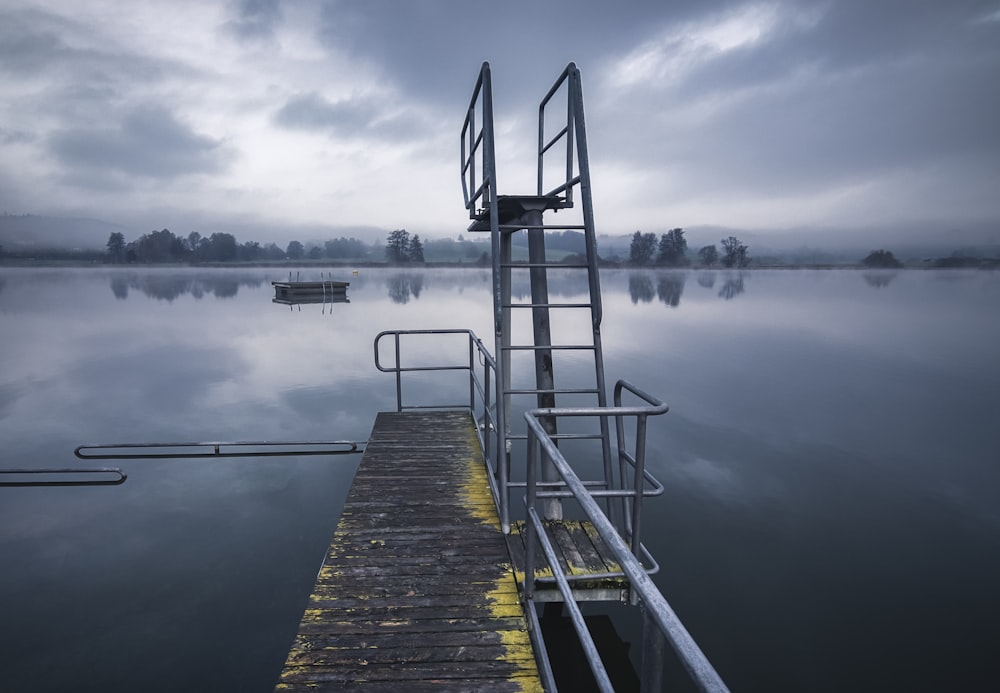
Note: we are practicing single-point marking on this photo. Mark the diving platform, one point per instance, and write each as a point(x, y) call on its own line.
point(416, 591)
point(479, 502)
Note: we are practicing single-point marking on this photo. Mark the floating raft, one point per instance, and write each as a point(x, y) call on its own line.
point(416, 592)
point(302, 291)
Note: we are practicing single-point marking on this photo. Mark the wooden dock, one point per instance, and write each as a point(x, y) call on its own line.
point(416, 592)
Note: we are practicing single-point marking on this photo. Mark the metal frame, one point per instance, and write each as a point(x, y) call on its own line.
point(483, 205)
point(660, 623)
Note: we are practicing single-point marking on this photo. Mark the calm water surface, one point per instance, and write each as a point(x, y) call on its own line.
point(832, 518)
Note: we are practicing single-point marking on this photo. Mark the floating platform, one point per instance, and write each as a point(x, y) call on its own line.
point(298, 292)
point(416, 592)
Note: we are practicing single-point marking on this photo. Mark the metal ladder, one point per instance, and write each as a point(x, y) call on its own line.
point(504, 216)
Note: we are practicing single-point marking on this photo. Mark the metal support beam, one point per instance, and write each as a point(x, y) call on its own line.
point(542, 332)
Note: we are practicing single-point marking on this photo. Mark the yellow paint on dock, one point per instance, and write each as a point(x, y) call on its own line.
point(417, 591)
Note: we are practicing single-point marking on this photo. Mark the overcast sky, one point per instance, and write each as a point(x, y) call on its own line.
point(295, 118)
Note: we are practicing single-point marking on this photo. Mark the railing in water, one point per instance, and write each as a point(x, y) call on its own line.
point(660, 624)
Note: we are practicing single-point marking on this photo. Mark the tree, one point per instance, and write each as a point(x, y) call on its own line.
point(344, 248)
point(642, 248)
point(672, 248)
point(881, 258)
point(734, 253)
point(397, 246)
point(295, 250)
point(250, 251)
point(116, 247)
point(416, 249)
point(708, 255)
point(158, 246)
point(222, 247)
point(273, 252)
point(315, 253)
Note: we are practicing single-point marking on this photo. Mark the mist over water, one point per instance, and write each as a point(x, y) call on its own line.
point(831, 520)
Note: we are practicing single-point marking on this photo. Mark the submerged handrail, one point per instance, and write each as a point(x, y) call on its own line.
point(660, 621)
point(217, 449)
point(104, 476)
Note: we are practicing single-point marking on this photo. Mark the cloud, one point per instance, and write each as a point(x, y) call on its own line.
point(775, 112)
point(365, 117)
point(149, 142)
point(256, 20)
point(679, 50)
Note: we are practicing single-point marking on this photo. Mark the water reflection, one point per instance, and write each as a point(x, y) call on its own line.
point(298, 302)
point(402, 286)
point(167, 287)
point(640, 288)
point(767, 439)
point(733, 287)
point(670, 287)
point(879, 279)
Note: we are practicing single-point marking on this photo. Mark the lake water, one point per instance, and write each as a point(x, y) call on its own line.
point(831, 520)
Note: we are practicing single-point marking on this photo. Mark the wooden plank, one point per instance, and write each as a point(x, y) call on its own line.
point(416, 591)
point(580, 552)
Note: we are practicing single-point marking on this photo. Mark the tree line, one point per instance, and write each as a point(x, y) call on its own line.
point(671, 250)
point(165, 246)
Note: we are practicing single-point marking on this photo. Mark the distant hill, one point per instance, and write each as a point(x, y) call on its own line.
point(21, 232)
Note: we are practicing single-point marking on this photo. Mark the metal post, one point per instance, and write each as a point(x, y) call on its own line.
point(542, 333)
point(654, 647)
point(399, 378)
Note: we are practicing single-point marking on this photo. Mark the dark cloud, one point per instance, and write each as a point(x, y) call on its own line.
point(726, 100)
point(256, 20)
point(355, 117)
point(148, 141)
point(865, 90)
point(16, 136)
point(37, 44)
point(433, 52)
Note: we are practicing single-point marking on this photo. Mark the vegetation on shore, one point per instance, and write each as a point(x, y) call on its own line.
point(646, 250)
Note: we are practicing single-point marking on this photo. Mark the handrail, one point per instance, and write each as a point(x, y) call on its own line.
point(165, 451)
point(661, 620)
point(569, 74)
point(472, 139)
point(67, 476)
point(482, 394)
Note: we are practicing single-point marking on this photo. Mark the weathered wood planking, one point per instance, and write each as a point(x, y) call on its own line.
point(416, 592)
point(580, 551)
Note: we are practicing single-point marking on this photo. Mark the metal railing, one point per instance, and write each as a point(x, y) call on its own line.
point(481, 401)
point(65, 476)
point(660, 623)
point(170, 451)
point(477, 145)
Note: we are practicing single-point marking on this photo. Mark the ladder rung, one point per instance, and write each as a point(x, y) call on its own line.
point(547, 265)
point(555, 347)
point(544, 227)
point(547, 305)
point(555, 391)
point(523, 484)
point(559, 436)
